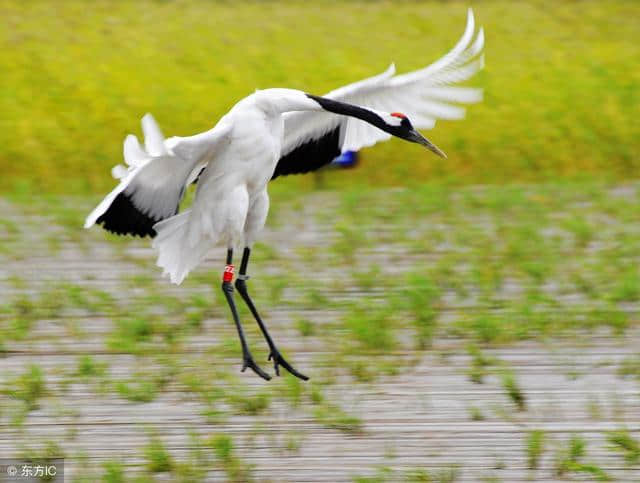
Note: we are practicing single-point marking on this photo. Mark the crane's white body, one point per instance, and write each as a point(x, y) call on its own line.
point(242, 151)
point(231, 201)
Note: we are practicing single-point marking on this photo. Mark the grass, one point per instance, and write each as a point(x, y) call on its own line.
point(48, 450)
point(334, 417)
point(624, 443)
point(444, 475)
point(133, 334)
point(198, 463)
point(534, 447)
point(23, 317)
point(137, 389)
point(52, 302)
point(250, 404)
point(418, 475)
point(628, 287)
point(569, 460)
point(630, 367)
point(419, 297)
point(523, 130)
point(293, 389)
point(305, 327)
point(28, 387)
point(113, 472)
point(235, 469)
point(368, 279)
point(476, 414)
point(158, 459)
point(372, 330)
point(88, 367)
point(479, 364)
point(382, 475)
point(513, 390)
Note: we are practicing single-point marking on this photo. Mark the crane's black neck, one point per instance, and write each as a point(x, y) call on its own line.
point(366, 115)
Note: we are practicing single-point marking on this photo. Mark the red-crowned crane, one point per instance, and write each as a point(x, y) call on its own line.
point(270, 133)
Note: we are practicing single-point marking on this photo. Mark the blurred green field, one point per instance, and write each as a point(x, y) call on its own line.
point(561, 88)
point(475, 333)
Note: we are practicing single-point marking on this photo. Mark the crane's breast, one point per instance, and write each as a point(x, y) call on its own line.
point(253, 151)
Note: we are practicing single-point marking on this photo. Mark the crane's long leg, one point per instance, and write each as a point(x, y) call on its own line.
point(275, 354)
point(227, 288)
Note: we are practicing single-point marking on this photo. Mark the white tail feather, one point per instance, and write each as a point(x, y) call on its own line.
point(177, 256)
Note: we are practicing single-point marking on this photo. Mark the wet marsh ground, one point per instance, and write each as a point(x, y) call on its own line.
point(484, 333)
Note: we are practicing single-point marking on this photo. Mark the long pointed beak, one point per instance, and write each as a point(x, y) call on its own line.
point(416, 137)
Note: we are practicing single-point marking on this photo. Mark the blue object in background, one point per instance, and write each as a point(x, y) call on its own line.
point(348, 159)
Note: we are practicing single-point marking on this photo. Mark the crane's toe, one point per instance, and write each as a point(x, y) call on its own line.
point(247, 361)
point(278, 360)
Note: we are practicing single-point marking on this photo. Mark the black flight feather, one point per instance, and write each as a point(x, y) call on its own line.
point(123, 218)
point(315, 153)
point(311, 155)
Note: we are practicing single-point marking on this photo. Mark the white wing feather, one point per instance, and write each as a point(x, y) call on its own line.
point(424, 95)
point(153, 138)
point(157, 175)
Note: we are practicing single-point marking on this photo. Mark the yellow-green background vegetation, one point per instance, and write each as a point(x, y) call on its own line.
point(561, 81)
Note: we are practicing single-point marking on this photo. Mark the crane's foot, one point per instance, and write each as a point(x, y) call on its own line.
point(247, 361)
point(278, 360)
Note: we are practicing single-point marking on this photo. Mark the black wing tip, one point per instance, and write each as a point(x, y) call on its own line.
point(123, 218)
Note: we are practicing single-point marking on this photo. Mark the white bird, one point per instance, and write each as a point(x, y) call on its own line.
point(270, 133)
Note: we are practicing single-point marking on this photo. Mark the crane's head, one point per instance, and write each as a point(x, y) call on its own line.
point(400, 126)
point(396, 123)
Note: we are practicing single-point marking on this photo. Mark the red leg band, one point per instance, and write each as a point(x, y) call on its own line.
point(227, 276)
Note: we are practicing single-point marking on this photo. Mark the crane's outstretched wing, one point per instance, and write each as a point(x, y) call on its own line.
point(313, 139)
point(154, 183)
